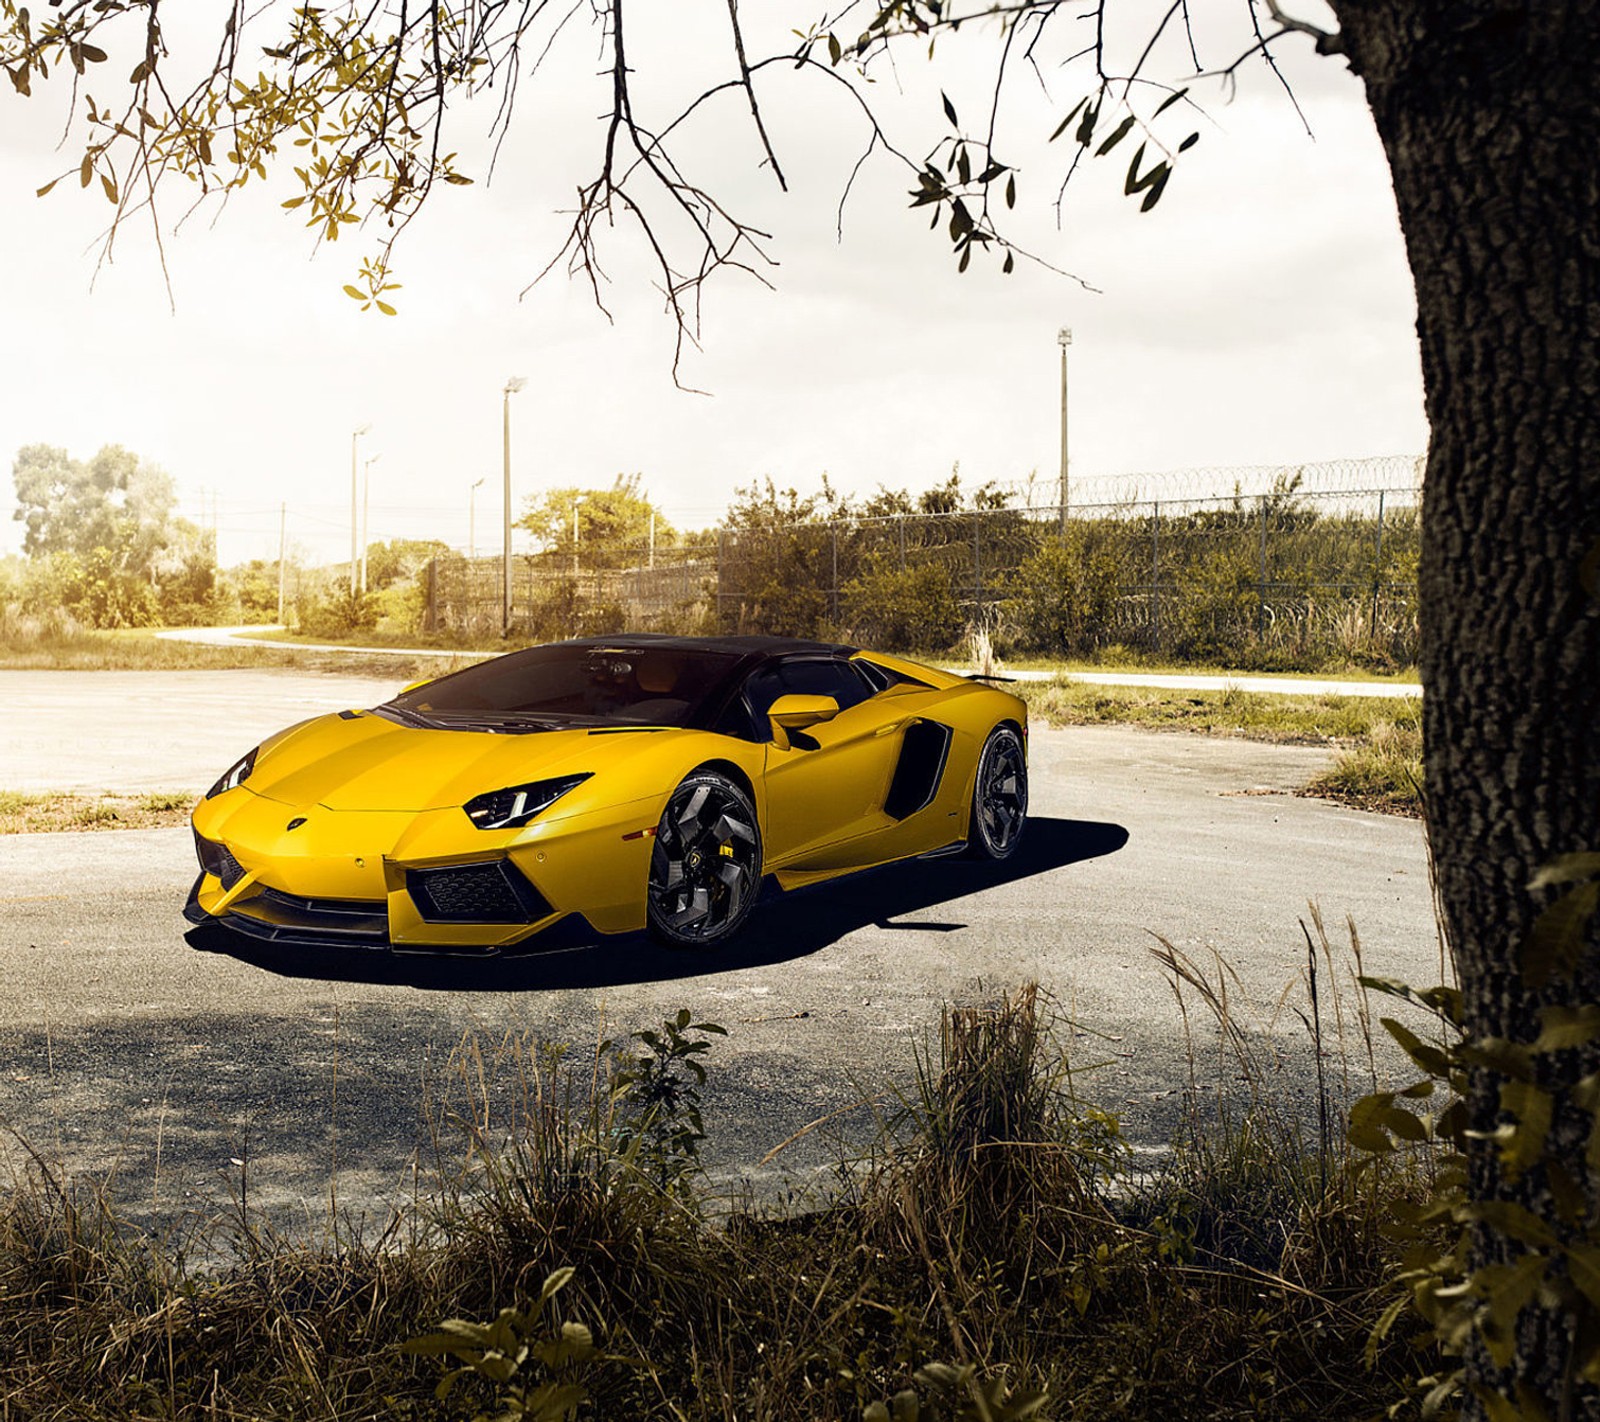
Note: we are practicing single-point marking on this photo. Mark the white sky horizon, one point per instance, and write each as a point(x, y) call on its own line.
point(1262, 314)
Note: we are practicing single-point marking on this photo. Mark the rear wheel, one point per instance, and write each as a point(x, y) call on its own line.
point(999, 796)
point(705, 867)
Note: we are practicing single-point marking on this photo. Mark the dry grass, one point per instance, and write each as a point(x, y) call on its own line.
point(30, 645)
point(1378, 739)
point(22, 813)
point(996, 1230)
point(1384, 772)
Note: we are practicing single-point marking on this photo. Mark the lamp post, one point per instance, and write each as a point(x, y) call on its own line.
point(472, 520)
point(366, 493)
point(514, 384)
point(575, 506)
point(1064, 336)
point(355, 435)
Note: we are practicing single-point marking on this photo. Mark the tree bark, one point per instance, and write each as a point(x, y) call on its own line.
point(1489, 112)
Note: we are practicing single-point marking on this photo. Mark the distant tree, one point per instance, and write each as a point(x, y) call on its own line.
point(106, 525)
point(777, 550)
point(400, 559)
point(612, 525)
point(115, 501)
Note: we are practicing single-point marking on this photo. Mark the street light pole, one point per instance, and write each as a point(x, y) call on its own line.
point(355, 435)
point(366, 499)
point(1064, 336)
point(472, 521)
point(575, 505)
point(514, 384)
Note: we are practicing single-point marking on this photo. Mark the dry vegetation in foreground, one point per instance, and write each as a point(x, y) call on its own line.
point(995, 1242)
point(23, 813)
point(1378, 740)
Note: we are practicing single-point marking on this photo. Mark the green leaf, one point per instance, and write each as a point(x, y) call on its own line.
point(1189, 143)
point(1555, 944)
point(1431, 1059)
point(1011, 191)
point(1169, 101)
point(1085, 134)
point(1072, 114)
point(835, 49)
point(949, 109)
point(1563, 1027)
point(1583, 1261)
point(1120, 132)
point(1566, 869)
point(1514, 1220)
point(1533, 1109)
point(93, 53)
point(1009, 265)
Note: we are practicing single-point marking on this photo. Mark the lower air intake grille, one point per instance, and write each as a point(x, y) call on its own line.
point(216, 859)
point(476, 893)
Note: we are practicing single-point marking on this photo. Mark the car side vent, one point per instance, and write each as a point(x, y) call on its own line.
point(496, 892)
point(923, 751)
point(217, 859)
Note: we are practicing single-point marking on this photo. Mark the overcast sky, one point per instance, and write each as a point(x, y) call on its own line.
point(1262, 313)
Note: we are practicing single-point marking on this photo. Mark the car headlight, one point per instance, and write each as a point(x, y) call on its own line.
point(237, 775)
point(514, 806)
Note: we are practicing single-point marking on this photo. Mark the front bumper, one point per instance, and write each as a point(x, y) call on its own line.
point(414, 882)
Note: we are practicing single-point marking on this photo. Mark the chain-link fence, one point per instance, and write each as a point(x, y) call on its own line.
point(603, 589)
point(1284, 577)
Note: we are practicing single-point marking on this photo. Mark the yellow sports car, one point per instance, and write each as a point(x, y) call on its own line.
point(614, 783)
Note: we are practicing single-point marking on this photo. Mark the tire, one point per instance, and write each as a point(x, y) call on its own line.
point(999, 797)
point(705, 867)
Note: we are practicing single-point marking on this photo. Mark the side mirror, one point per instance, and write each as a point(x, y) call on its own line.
point(795, 713)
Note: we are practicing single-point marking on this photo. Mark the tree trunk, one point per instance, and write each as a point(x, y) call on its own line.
point(1489, 113)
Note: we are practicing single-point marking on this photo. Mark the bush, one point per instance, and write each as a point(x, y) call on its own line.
point(1065, 593)
point(338, 614)
point(911, 609)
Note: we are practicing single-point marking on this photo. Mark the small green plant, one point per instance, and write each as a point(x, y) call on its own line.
point(657, 1094)
point(537, 1370)
point(950, 1394)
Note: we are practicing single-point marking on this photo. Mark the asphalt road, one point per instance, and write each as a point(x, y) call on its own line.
point(159, 1063)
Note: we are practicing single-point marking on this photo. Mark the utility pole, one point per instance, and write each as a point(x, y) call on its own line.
point(511, 387)
point(283, 525)
point(1064, 336)
point(472, 521)
point(355, 435)
point(366, 499)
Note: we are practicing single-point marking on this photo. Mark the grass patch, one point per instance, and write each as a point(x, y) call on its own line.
point(1378, 739)
point(993, 1241)
point(90, 650)
point(22, 813)
point(1383, 772)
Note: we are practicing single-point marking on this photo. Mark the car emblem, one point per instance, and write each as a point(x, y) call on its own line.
point(296, 822)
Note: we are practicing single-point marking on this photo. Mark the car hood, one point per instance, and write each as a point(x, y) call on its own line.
point(364, 762)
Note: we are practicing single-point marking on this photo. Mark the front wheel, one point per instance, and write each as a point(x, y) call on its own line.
point(999, 797)
point(705, 867)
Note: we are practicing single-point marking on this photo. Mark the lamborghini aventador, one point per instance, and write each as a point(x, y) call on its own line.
point(606, 785)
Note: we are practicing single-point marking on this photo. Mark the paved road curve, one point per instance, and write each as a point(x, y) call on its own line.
point(124, 1047)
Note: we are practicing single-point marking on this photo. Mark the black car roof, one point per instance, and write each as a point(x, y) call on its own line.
point(772, 646)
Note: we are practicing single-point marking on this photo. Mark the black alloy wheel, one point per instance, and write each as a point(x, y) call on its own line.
point(999, 796)
point(705, 868)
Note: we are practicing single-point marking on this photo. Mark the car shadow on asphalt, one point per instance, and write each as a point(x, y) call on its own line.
point(782, 928)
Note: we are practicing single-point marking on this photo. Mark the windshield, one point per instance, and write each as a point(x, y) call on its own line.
point(565, 685)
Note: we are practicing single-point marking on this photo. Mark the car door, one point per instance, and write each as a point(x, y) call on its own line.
point(828, 785)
